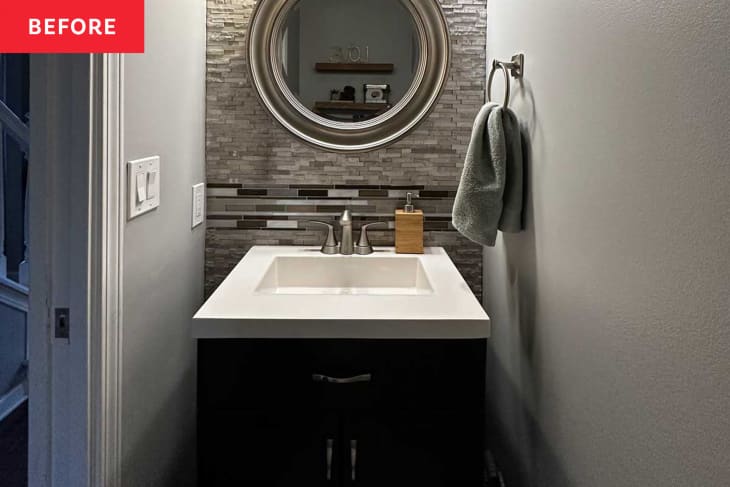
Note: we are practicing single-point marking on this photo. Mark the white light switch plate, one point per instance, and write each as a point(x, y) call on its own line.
point(143, 185)
point(198, 204)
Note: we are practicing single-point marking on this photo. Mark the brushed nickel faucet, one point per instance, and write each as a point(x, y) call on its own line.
point(346, 245)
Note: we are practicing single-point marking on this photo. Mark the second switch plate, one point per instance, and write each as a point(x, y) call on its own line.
point(143, 181)
point(198, 204)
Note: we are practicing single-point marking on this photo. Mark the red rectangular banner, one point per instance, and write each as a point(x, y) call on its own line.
point(72, 26)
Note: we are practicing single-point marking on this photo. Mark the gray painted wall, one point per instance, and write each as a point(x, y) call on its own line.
point(164, 103)
point(609, 360)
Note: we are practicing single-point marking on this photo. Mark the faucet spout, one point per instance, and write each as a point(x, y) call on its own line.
point(346, 245)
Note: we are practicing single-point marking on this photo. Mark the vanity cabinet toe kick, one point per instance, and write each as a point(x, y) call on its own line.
point(285, 412)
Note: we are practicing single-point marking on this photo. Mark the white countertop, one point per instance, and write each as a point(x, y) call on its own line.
point(237, 310)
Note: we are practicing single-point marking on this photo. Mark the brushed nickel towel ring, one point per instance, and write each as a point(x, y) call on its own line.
point(516, 67)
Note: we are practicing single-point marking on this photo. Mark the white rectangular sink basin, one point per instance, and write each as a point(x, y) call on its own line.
point(339, 274)
point(298, 292)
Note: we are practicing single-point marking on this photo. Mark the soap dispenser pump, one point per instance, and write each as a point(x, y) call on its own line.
point(408, 208)
point(409, 228)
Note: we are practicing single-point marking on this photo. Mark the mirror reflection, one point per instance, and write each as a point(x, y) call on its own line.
point(349, 60)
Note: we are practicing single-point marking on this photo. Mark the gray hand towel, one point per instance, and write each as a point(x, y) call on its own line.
point(490, 192)
point(511, 219)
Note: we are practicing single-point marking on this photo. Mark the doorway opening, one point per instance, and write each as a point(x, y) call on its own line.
point(14, 267)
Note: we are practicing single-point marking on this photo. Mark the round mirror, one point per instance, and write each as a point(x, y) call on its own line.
point(348, 75)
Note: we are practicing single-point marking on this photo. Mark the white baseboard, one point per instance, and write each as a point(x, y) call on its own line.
point(12, 399)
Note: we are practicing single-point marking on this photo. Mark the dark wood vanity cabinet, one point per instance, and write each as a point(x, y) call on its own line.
point(414, 415)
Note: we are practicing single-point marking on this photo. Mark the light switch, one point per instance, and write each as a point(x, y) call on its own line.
point(151, 184)
point(141, 188)
point(198, 204)
point(143, 182)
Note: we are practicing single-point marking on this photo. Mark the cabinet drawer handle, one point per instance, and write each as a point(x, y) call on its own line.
point(342, 380)
point(353, 459)
point(328, 455)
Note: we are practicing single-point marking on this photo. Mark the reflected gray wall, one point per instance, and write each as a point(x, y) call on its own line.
point(164, 105)
point(290, 59)
point(610, 354)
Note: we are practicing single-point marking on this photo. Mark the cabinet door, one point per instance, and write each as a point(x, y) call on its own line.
point(424, 448)
point(275, 448)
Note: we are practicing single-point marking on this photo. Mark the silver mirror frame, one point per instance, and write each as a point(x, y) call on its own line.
point(263, 42)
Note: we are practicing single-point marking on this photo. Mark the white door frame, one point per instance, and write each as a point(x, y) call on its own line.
point(76, 229)
point(107, 237)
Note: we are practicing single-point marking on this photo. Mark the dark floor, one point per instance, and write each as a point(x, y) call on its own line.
point(14, 448)
point(14, 451)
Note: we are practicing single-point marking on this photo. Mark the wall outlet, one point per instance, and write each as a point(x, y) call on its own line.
point(198, 204)
point(143, 185)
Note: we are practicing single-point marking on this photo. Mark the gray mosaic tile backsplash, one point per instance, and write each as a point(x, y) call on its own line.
point(262, 182)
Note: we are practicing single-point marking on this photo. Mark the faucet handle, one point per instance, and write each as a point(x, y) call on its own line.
point(363, 246)
point(330, 245)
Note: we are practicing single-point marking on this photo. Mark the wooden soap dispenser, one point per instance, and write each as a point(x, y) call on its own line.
point(408, 229)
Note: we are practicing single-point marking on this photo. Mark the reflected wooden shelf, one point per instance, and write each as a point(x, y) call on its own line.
point(354, 67)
